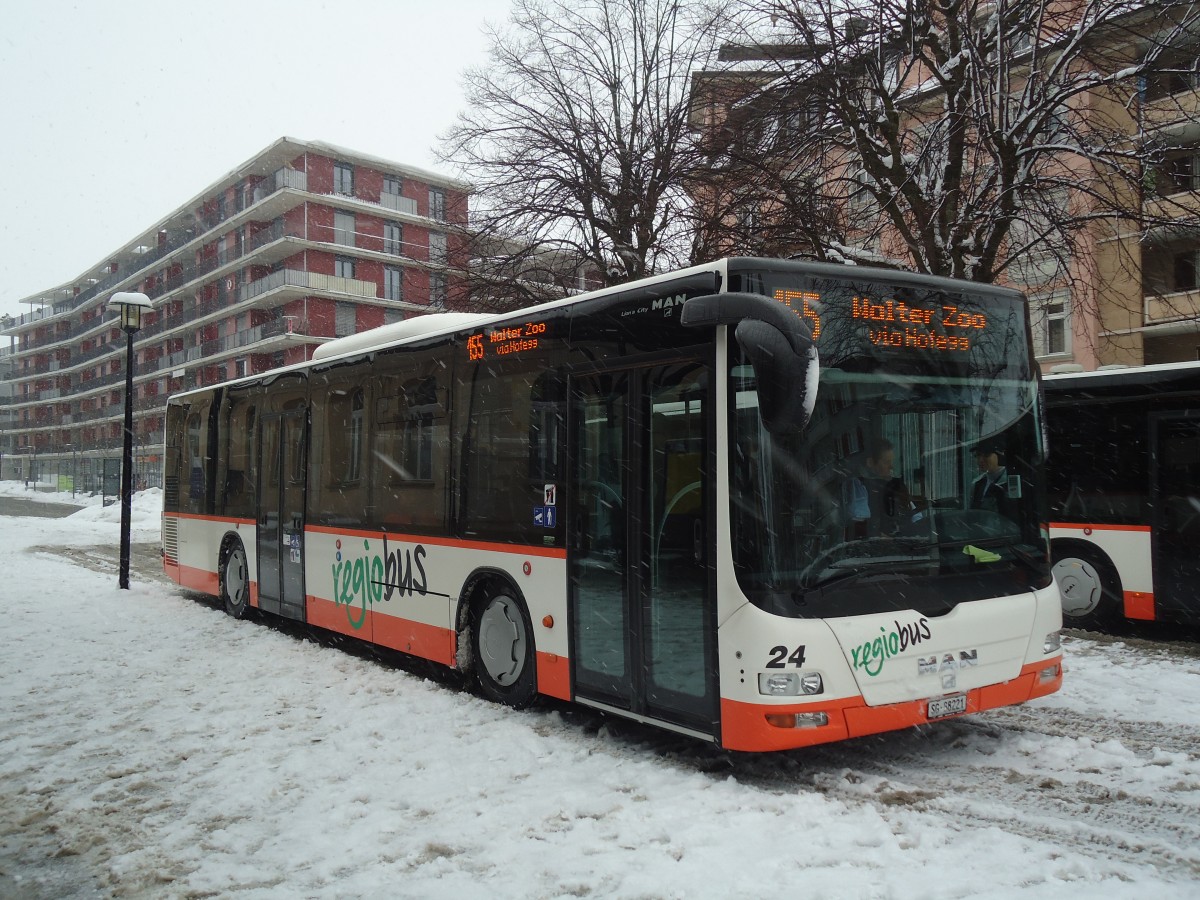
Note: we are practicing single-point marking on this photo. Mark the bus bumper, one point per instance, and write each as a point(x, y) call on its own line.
point(761, 727)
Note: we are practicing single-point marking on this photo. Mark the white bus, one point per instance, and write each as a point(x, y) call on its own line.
point(654, 500)
point(1124, 488)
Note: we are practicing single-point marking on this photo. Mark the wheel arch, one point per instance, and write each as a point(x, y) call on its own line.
point(480, 585)
point(227, 541)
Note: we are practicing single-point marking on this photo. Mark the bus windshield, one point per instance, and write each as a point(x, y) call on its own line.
point(916, 485)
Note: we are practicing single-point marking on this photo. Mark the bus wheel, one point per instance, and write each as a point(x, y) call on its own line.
point(502, 644)
point(1090, 588)
point(235, 579)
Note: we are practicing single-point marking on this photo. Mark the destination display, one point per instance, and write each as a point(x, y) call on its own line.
point(941, 327)
point(505, 340)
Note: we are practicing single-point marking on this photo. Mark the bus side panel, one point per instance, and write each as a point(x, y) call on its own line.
point(192, 546)
point(403, 592)
point(1128, 546)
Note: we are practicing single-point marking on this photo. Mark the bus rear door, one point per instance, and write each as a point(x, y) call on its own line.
point(282, 464)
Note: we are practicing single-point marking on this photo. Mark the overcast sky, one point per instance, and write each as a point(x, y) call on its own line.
point(117, 112)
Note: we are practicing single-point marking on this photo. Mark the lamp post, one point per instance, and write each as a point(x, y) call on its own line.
point(131, 306)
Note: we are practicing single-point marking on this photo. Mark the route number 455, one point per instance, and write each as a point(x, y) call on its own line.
point(781, 658)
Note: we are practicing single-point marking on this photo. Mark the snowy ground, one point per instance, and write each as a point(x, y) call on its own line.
point(150, 746)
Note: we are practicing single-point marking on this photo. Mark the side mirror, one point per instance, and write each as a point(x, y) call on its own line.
point(780, 347)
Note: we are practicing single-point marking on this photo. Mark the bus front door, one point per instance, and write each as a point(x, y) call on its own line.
point(643, 614)
point(1177, 517)
point(282, 465)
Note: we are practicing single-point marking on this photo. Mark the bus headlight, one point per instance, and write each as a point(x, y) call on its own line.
point(790, 684)
point(799, 720)
point(1053, 642)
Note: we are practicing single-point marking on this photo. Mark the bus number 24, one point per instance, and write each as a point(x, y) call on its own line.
point(780, 657)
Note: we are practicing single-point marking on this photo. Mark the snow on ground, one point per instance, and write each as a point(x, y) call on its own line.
point(150, 746)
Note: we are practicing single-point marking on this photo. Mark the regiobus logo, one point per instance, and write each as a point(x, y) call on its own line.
point(871, 655)
point(361, 581)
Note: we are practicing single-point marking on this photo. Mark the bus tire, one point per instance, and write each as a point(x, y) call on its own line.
point(502, 648)
point(234, 574)
point(1089, 584)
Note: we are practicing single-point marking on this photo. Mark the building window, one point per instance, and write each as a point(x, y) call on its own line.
point(437, 290)
point(393, 238)
point(344, 319)
point(1051, 324)
point(343, 267)
point(343, 228)
point(343, 179)
point(437, 247)
point(1181, 174)
point(393, 184)
point(393, 283)
point(437, 204)
point(1185, 272)
point(242, 368)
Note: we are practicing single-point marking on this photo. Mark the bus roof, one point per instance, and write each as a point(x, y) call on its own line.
point(1162, 373)
point(433, 324)
point(394, 333)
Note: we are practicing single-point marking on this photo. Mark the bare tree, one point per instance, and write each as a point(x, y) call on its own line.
point(576, 137)
point(980, 139)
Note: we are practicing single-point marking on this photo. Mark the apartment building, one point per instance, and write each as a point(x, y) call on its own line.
point(300, 244)
point(1125, 289)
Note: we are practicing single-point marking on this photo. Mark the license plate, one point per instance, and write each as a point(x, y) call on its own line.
point(947, 706)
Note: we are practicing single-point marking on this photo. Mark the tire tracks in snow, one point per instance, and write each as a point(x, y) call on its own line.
point(1013, 770)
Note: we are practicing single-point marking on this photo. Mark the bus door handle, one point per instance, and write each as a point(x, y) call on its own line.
point(698, 540)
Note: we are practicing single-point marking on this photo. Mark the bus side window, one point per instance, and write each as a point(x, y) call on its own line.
point(510, 452)
point(237, 463)
point(196, 460)
point(409, 450)
point(339, 495)
point(176, 447)
point(546, 423)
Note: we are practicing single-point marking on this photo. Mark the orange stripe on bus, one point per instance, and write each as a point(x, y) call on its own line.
point(415, 638)
point(744, 726)
point(201, 518)
point(518, 549)
point(195, 579)
point(553, 675)
point(1080, 526)
point(1139, 605)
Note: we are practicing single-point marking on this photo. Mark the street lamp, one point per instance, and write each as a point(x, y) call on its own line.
point(131, 306)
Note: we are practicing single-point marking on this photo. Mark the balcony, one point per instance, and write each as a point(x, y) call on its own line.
point(311, 281)
point(136, 263)
point(399, 204)
point(1178, 205)
point(1176, 116)
point(1179, 307)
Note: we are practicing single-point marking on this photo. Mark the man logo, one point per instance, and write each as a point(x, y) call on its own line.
point(948, 662)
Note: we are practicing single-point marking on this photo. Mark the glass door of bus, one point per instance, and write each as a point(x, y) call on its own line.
point(643, 615)
point(1176, 471)
point(282, 464)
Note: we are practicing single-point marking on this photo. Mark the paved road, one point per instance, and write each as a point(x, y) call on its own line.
point(28, 506)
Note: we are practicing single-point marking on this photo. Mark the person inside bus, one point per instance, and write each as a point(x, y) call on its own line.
point(879, 499)
point(990, 490)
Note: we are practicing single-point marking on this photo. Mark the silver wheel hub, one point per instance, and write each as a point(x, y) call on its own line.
point(502, 640)
point(1080, 586)
point(235, 576)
